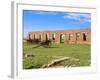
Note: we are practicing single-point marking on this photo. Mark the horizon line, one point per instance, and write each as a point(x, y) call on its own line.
point(61, 30)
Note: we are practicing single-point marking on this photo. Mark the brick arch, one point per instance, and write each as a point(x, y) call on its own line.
point(62, 38)
point(46, 36)
point(29, 36)
point(53, 36)
point(34, 36)
point(84, 34)
point(40, 37)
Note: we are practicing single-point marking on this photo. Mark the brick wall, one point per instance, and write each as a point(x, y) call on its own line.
point(80, 36)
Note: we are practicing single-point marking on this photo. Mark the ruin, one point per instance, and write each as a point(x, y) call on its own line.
point(75, 36)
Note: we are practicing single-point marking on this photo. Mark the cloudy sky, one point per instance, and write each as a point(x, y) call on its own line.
point(44, 20)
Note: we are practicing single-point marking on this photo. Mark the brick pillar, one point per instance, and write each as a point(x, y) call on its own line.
point(89, 37)
point(74, 37)
point(67, 38)
point(81, 37)
point(58, 37)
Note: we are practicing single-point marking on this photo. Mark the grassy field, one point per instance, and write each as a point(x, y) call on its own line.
point(43, 55)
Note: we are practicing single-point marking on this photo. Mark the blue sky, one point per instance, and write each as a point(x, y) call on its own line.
point(44, 20)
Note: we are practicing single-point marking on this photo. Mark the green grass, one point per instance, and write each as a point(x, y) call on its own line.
point(44, 55)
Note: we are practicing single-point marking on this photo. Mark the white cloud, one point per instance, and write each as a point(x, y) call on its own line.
point(80, 17)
